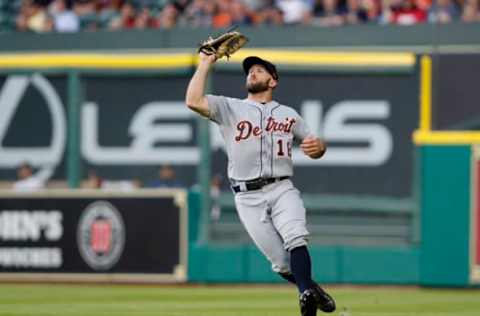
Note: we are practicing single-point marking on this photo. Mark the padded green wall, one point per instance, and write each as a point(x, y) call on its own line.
point(445, 204)
point(331, 264)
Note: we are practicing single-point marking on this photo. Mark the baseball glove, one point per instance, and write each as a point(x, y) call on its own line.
point(224, 45)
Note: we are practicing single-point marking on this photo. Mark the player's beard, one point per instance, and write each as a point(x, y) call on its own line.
point(258, 86)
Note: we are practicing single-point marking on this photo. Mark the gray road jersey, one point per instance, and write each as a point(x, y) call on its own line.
point(258, 137)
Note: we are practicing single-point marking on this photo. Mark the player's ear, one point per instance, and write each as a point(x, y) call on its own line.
point(272, 83)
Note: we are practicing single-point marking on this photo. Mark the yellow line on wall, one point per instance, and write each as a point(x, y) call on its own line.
point(426, 93)
point(100, 61)
point(146, 61)
point(380, 59)
point(425, 135)
point(446, 137)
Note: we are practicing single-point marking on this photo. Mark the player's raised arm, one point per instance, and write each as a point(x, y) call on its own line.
point(195, 96)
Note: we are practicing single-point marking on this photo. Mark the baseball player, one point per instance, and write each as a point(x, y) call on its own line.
point(259, 134)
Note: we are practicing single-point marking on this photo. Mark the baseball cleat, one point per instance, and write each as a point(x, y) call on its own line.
point(324, 301)
point(308, 303)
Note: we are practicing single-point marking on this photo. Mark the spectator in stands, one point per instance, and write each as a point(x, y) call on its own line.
point(222, 17)
point(373, 9)
point(387, 10)
point(166, 178)
point(424, 4)
point(86, 12)
point(443, 11)
point(407, 13)
point(181, 5)
point(326, 13)
point(241, 14)
point(199, 13)
point(126, 19)
point(294, 11)
point(168, 16)
point(34, 17)
point(64, 19)
point(471, 11)
point(145, 20)
point(355, 13)
point(27, 181)
point(107, 10)
point(270, 14)
point(93, 180)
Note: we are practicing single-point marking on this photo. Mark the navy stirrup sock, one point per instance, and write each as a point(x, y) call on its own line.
point(289, 277)
point(301, 267)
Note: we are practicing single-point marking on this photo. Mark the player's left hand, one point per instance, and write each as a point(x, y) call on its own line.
point(313, 147)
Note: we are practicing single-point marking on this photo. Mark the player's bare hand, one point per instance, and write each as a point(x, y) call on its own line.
point(313, 147)
point(209, 59)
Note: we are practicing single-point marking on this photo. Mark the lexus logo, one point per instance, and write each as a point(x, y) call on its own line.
point(11, 94)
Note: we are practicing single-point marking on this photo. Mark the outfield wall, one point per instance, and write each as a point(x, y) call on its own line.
point(331, 264)
point(115, 91)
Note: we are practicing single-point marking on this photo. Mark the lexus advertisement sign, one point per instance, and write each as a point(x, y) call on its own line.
point(129, 125)
point(78, 233)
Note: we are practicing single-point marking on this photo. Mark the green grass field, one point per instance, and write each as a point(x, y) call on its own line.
point(103, 300)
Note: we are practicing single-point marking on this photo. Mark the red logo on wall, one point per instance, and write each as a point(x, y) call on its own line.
point(101, 236)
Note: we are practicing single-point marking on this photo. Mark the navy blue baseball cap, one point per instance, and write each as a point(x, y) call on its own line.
point(254, 60)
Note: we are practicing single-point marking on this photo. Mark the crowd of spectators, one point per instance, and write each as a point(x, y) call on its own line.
point(91, 15)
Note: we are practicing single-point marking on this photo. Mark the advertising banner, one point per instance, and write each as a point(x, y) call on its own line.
point(130, 125)
point(95, 235)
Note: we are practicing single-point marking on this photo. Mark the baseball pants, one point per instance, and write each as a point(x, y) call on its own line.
point(274, 217)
